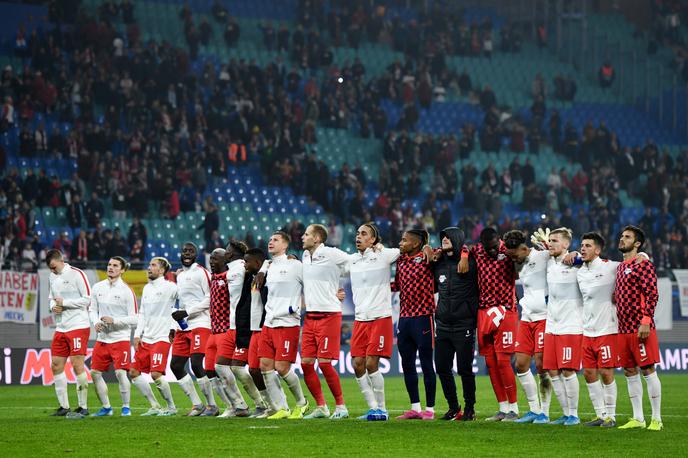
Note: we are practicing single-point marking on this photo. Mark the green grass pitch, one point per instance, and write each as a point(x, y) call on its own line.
point(27, 430)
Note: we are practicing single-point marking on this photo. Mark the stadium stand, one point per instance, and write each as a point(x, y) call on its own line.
point(210, 120)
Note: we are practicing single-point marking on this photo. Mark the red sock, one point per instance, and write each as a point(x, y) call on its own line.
point(313, 383)
point(495, 377)
point(333, 382)
point(507, 374)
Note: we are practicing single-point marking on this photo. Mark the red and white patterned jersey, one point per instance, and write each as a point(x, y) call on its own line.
point(636, 294)
point(496, 278)
point(415, 282)
point(219, 303)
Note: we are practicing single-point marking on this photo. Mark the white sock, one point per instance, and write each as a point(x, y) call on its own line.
point(207, 389)
point(572, 393)
point(415, 406)
point(504, 407)
point(378, 383)
point(187, 386)
point(430, 409)
point(242, 373)
point(61, 390)
point(610, 399)
point(294, 385)
point(367, 390)
point(82, 390)
point(219, 387)
point(597, 398)
point(166, 392)
point(654, 392)
point(124, 386)
point(266, 397)
point(530, 388)
point(227, 376)
point(274, 389)
point(146, 391)
point(560, 392)
point(101, 388)
point(635, 393)
point(545, 393)
point(513, 407)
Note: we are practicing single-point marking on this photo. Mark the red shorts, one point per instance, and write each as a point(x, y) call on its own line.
point(253, 359)
point(152, 357)
point(211, 352)
point(226, 347)
point(562, 351)
point(500, 339)
point(72, 343)
point(187, 343)
point(279, 344)
point(118, 353)
point(531, 337)
point(634, 353)
point(321, 335)
point(372, 338)
point(600, 352)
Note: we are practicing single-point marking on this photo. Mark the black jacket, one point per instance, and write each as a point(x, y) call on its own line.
point(243, 314)
point(457, 306)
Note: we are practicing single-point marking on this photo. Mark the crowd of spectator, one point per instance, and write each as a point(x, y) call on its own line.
point(149, 135)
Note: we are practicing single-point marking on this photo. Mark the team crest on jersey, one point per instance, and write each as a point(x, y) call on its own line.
point(418, 260)
point(501, 257)
point(443, 278)
point(627, 271)
point(283, 272)
point(221, 282)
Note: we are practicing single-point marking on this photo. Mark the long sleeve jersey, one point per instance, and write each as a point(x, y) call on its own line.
point(285, 292)
point(321, 274)
point(155, 311)
point(370, 283)
point(565, 304)
point(636, 295)
point(496, 278)
point(415, 282)
point(194, 295)
point(533, 275)
point(117, 301)
point(596, 281)
point(72, 286)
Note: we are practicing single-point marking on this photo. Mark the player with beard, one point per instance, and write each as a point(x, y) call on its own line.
point(636, 298)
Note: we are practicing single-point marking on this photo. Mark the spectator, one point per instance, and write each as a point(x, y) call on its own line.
point(94, 210)
point(606, 75)
point(137, 231)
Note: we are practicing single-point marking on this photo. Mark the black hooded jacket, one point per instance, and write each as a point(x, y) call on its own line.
point(457, 306)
